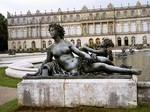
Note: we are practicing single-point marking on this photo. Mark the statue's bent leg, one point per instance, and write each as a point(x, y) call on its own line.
point(104, 60)
point(96, 67)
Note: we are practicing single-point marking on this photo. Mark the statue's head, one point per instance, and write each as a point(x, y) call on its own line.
point(106, 42)
point(58, 28)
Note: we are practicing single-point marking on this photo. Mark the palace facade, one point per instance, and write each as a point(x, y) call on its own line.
point(129, 25)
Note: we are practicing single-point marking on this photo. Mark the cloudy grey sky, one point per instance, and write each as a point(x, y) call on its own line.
point(23, 6)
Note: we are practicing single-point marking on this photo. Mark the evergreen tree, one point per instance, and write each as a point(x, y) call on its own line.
point(3, 33)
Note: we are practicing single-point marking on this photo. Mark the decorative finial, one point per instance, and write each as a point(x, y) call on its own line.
point(74, 9)
point(100, 6)
point(147, 2)
point(128, 4)
point(45, 11)
point(67, 9)
point(93, 7)
point(121, 5)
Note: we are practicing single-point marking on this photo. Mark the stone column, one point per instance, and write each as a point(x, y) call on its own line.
point(101, 25)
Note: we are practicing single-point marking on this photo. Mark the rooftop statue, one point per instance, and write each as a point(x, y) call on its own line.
point(61, 61)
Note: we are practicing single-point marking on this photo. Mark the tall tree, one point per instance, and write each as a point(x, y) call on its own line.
point(3, 33)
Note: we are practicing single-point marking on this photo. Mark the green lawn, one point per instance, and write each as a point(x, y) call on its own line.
point(6, 80)
point(13, 106)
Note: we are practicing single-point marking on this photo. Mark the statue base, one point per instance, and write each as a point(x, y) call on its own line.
point(108, 93)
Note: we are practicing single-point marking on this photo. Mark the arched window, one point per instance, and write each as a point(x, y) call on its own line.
point(90, 16)
point(42, 20)
point(49, 42)
point(91, 42)
point(12, 21)
point(18, 21)
point(97, 16)
point(126, 41)
point(24, 45)
point(144, 12)
point(78, 43)
point(43, 44)
point(77, 17)
point(33, 45)
point(133, 41)
point(144, 39)
point(118, 14)
point(125, 13)
point(132, 13)
point(48, 19)
point(72, 41)
point(71, 18)
point(119, 41)
point(55, 19)
point(24, 21)
point(104, 15)
point(19, 45)
point(65, 18)
point(97, 41)
point(33, 20)
point(13, 45)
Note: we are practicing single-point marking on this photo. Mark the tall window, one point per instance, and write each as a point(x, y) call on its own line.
point(133, 27)
point(33, 20)
point(42, 20)
point(14, 34)
point(19, 45)
point(105, 28)
point(144, 39)
point(78, 30)
point(125, 27)
point(33, 45)
point(65, 18)
point(24, 33)
point(97, 41)
point(13, 45)
point(78, 43)
point(97, 16)
point(77, 17)
point(71, 17)
point(19, 33)
point(43, 44)
point(118, 14)
point(66, 30)
point(72, 30)
point(98, 28)
point(144, 12)
point(144, 26)
point(91, 42)
point(90, 16)
point(91, 29)
point(133, 41)
point(43, 32)
point(33, 32)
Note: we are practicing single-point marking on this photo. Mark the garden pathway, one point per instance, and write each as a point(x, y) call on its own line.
point(7, 94)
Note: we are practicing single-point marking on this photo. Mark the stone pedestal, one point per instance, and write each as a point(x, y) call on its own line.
point(109, 93)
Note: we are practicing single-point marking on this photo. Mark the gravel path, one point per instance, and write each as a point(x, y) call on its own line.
point(7, 94)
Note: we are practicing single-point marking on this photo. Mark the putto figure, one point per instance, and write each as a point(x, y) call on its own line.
point(60, 60)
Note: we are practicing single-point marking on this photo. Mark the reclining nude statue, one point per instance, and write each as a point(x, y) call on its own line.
point(61, 61)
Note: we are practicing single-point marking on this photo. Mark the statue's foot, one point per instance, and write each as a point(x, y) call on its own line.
point(137, 72)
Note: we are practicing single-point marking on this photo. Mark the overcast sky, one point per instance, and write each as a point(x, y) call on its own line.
point(23, 6)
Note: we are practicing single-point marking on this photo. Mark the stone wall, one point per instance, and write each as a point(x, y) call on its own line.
point(108, 93)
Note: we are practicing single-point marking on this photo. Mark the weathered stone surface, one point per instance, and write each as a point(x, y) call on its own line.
point(144, 92)
point(109, 93)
